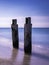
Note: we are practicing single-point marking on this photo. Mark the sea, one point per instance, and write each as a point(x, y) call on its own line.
point(40, 36)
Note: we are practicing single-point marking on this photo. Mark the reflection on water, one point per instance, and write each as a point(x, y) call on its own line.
point(11, 56)
point(26, 59)
point(14, 55)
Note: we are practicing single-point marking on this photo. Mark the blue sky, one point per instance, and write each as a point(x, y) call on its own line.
point(38, 10)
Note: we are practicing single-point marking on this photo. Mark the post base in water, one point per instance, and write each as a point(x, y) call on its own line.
point(15, 45)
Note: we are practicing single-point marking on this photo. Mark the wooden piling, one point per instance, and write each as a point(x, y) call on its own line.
point(15, 38)
point(27, 36)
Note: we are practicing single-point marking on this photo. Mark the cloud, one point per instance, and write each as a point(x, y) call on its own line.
point(40, 21)
point(37, 21)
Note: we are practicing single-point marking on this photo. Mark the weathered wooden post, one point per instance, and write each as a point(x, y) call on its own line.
point(15, 39)
point(27, 36)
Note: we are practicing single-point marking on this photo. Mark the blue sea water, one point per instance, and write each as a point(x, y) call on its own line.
point(40, 36)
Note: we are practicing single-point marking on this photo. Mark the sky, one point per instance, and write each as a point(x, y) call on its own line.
point(38, 10)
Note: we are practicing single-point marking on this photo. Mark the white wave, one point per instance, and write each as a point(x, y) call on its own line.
point(5, 42)
point(35, 48)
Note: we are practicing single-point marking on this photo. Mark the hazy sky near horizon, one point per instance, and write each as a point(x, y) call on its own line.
point(38, 10)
